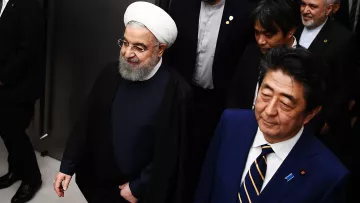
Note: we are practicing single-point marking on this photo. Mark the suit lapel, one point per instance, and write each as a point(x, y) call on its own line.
point(225, 26)
point(295, 164)
point(234, 156)
point(10, 5)
point(322, 40)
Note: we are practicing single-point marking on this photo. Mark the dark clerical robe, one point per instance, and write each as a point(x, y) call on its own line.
point(130, 132)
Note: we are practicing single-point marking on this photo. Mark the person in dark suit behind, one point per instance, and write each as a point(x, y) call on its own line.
point(269, 155)
point(271, 30)
point(22, 78)
point(212, 37)
point(334, 45)
point(127, 144)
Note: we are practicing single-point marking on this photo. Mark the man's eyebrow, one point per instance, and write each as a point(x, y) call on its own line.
point(136, 44)
point(290, 97)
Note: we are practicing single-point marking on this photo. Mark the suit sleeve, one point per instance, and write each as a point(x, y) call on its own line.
point(138, 186)
point(76, 143)
point(204, 190)
point(30, 44)
point(338, 192)
point(344, 72)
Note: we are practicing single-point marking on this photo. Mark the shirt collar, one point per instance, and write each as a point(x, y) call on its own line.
point(294, 43)
point(281, 149)
point(318, 28)
point(153, 72)
point(219, 5)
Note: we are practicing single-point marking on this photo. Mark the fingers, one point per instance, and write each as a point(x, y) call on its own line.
point(58, 187)
point(66, 182)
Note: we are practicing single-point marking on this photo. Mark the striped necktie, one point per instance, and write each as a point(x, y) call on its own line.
point(250, 188)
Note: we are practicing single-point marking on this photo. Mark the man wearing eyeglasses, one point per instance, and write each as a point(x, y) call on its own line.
point(125, 149)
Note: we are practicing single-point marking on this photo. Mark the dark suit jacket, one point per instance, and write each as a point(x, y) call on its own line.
point(232, 39)
point(22, 52)
point(226, 158)
point(335, 45)
point(242, 90)
point(89, 151)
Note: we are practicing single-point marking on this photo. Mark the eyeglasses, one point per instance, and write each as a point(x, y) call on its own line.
point(134, 48)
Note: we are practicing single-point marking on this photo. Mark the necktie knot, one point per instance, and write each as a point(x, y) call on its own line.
point(266, 149)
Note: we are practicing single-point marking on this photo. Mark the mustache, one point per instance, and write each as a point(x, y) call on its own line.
point(307, 15)
point(132, 60)
point(129, 60)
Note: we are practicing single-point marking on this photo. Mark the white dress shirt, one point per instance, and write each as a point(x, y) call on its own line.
point(3, 6)
point(308, 35)
point(274, 160)
point(208, 30)
point(153, 72)
point(257, 84)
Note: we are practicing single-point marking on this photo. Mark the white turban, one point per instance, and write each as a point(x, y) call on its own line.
point(155, 19)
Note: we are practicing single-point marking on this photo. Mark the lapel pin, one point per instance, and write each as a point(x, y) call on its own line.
point(231, 18)
point(302, 172)
point(227, 22)
point(289, 177)
point(325, 41)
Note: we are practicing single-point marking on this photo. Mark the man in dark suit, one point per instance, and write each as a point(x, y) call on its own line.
point(127, 146)
point(270, 31)
point(268, 155)
point(334, 45)
point(22, 68)
point(212, 38)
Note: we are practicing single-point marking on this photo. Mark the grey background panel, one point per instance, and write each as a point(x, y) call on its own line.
point(82, 39)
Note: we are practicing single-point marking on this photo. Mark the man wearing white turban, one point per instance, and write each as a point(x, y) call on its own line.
point(125, 147)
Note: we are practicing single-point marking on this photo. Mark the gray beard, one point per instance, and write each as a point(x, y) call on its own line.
point(139, 73)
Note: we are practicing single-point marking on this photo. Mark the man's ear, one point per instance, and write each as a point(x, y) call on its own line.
point(162, 48)
point(291, 32)
point(336, 8)
point(329, 9)
point(310, 115)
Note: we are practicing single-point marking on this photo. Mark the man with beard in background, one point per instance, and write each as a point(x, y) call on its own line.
point(125, 147)
point(334, 45)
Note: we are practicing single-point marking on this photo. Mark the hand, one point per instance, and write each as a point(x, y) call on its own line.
point(125, 192)
point(325, 129)
point(61, 183)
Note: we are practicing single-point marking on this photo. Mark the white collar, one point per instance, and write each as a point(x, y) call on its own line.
point(281, 149)
point(294, 43)
point(218, 5)
point(153, 72)
point(318, 28)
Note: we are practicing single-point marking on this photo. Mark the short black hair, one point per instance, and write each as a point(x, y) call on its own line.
point(283, 13)
point(300, 65)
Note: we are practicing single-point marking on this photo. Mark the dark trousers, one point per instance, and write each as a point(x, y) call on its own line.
point(205, 113)
point(101, 194)
point(98, 191)
point(355, 166)
point(14, 119)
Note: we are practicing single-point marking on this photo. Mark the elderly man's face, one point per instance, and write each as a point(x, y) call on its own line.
point(314, 12)
point(280, 107)
point(139, 53)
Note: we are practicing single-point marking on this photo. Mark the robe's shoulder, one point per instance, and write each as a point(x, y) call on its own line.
point(178, 83)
